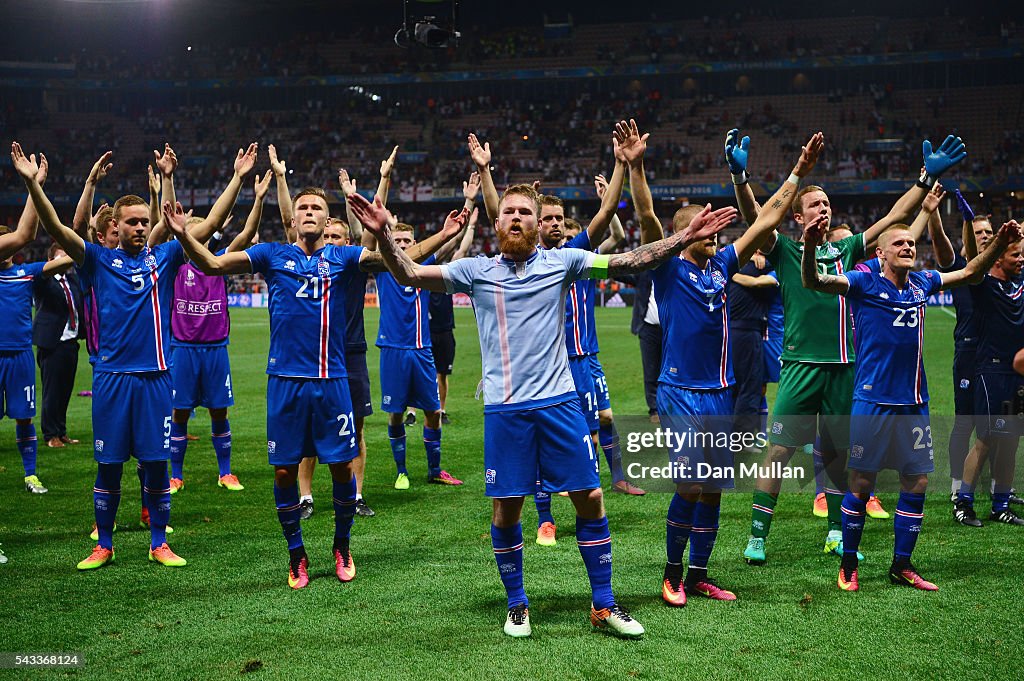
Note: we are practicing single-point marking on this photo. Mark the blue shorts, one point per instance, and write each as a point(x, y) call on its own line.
point(702, 422)
point(17, 384)
point(358, 383)
point(131, 416)
point(772, 353)
point(309, 417)
point(551, 443)
point(201, 377)
point(994, 398)
point(408, 379)
point(600, 384)
point(583, 378)
point(893, 436)
point(963, 382)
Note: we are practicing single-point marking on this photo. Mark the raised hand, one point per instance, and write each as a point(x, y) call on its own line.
point(388, 164)
point(631, 145)
point(166, 163)
point(245, 160)
point(536, 186)
point(736, 151)
point(374, 216)
point(945, 157)
point(154, 182)
point(347, 184)
point(965, 208)
point(455, 221)
point(601, 185)
point(100, 168)
point(814, 231)
point(481, 155)
point(933, 199)
point(25, 165)
point(1010, 232)
point(92, 220)
point(809, 154)
point(261, 187)
point(176, 218)
point(276, 166)
point(471, 189)
point(44, 169)
point(707, 223)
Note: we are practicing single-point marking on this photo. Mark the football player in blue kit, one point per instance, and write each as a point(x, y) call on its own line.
point(889, 421)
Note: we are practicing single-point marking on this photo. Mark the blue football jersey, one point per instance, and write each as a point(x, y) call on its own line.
point(999, 311)
point(355, 299)
point(404, 313)
point(580, 338)
point(307, 307)
point(695, 321)
point(16, 305)
point(133, 295)
point(890, 336)
point(965, 333)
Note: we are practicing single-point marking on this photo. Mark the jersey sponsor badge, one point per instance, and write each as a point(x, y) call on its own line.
point(289, 265)
point(117, 262)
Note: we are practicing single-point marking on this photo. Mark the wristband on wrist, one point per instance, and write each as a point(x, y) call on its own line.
point(794, 179)
point(740, 178)
point(926, 181)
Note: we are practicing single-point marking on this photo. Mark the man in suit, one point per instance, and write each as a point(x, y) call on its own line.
point(55, 332)
point(646, 326)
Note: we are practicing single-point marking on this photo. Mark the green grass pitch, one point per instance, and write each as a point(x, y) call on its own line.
point(427, 602)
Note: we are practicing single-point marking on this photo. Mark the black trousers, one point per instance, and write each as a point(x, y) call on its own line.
point(748, 370)
point(57, 367)
point(650, 357)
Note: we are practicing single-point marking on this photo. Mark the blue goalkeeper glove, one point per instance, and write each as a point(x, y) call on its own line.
point(965, 208)
point(736, 153)
point(940, 160)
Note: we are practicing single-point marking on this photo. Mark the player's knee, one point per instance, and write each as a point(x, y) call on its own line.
point(914, 484)
point(589, 503)
point(285, 476)
point(606, 418)
point(778, 454)
point(23, 422)
point(218, 414)
point(182, 415)
point(341, 472)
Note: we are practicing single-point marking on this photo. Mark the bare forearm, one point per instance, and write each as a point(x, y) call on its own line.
point(199, 254)
point(24, 234)
point(72, 243)
point(284, 204)
point(419, 252)
point(398, 262)
point(220, 210)
point(944, 254)
point(465, 243)
point(982, 263)
point(904, 207)
point(252, 223)
point(491, 200)
point(643, 203)
point(814, 279)
point(970, 241)
point(609, 204)
point(383, 187)
point(763, 281)
point(746, 202)
point(83, 211)
point(647, 256)
point(355, 228)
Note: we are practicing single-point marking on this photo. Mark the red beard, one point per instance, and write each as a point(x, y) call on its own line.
point(517, 245)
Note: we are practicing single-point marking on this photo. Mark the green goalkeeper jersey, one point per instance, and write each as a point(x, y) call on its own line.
point(818, 326)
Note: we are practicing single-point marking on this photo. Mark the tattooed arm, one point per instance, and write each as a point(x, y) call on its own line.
point(648, 256)
point(814, 233)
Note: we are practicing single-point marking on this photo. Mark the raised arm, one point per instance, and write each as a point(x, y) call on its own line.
point(236, 262)
point(244, 162)
point(348, 186)
point(252, 223)
point(705, 224)
point(481, 156)
point(737, 151)
point(28, 223)
point(761, 232)
point(936, 162)
point(166, 164)
point(470, 190)
point(632, 147)
point(284, 199)
point(970, 240)
point(975, 270)
point(814, 234)
point(376, 218)
point(386, 166)
point(83, 212)
point(58, 265)
point(452, 228)
point(616, 234)
point(610, 200)
point(468, 234)
point(71, 242)
point(154, 200)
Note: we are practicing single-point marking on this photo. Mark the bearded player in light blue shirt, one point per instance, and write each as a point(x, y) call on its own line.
point(532, 419)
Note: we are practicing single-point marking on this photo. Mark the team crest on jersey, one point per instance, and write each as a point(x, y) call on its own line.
point(828, 251)
point(117, 262)
point(289, 265)
point(489, 476)
point(718, 278)
point(917, 293)
point(150, 261)
point(323, 268)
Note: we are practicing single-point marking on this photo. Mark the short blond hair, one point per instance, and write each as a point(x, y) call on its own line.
point(127, 202)
point(798, 200)
point(526, 190)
